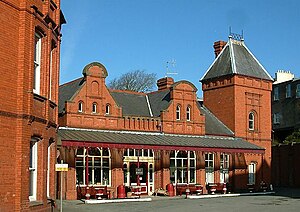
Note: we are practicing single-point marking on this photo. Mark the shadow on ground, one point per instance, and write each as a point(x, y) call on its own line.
point(287, 192)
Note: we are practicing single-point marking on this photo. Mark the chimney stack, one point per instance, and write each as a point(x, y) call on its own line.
point(218, 46)
point(165, 83)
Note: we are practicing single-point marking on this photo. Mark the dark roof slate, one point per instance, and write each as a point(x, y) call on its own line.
point(236, 58)
point(213, 126)
point(132, 104)
point(66, 92)
point(159, 101)
point(155, 139)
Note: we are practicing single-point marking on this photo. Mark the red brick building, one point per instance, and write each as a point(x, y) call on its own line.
point(29, 58)
point(149, 140)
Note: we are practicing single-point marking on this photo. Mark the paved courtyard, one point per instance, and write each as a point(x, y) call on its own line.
point(283, 200)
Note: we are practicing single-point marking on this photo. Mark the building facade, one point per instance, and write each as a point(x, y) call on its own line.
point(286, 120)
point(29, 58)
point(167, 137)
point(285, 105)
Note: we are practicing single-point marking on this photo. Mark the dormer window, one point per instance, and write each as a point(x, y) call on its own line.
point(94, 107)
point(188, 113)
point(251, 121)
point(80, 107)
point(107, 109)
point(178, 112)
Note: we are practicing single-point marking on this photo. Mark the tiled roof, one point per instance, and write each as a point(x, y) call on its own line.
point(66, 92)
point(153, 139)
point(132, 104)
point(236, 58)
point(159, 101)
point(213, 126)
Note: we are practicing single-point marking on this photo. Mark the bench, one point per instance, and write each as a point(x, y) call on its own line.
point(217, 188)
point(193, 189)
point(94, 192)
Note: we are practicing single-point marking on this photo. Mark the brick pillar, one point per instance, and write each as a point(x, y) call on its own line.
point(117, 179)
point(70, 182)
point(165, 177)
point(165, 165)
point(157, 169)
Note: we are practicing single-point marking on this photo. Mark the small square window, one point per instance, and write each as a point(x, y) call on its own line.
point(276, 118)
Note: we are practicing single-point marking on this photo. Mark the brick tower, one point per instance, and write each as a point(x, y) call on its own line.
point(237, 89)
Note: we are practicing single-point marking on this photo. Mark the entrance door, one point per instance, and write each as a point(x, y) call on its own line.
point(142, 168)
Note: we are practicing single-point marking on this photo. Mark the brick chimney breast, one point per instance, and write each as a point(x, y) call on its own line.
point(218, 46)
point(165, 83)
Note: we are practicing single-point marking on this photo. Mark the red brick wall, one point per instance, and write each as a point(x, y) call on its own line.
point(23, 114)
point(285, 163)
point(184, 93)
point(231, 99)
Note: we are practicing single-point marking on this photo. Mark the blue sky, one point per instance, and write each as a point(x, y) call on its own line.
point(126, 35)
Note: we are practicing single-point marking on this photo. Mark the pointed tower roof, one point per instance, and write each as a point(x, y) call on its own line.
point(236, 58)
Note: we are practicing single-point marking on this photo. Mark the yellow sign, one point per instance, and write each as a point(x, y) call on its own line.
point(61, 167)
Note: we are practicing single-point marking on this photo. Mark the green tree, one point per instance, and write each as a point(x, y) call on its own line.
point(293, 138)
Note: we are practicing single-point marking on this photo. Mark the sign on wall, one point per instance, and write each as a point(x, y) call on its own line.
point(61, 167)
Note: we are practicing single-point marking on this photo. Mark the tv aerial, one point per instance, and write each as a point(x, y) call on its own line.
point(170, 68)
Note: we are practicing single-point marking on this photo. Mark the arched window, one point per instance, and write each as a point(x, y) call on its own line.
point(80, 107)
point(182, 167)
point(178, 112)
point(251, 121)
point(188, 113)
point(94, 107)
point(99, 161)
point(107, 109)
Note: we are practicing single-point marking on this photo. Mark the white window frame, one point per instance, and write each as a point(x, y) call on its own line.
point(181, 169)
point(276, 94)
point(48, 169)
point(188, 113)
point(298, 91)
point(209, 168)
point(224, 168)
point(178, 112)
point(251, 120)
point(80, 107)
point(107, 109)
point(33, 166)
point(102, 182)
point(276, 118)
point(94, 107)
point(37, 63)
point(50, 73)
point(288, 91)
point(251, 173)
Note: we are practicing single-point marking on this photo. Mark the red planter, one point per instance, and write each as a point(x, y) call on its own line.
point(121, 192)
point(170, 190)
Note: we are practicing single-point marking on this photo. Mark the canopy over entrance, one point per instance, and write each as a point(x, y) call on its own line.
point(157, 141)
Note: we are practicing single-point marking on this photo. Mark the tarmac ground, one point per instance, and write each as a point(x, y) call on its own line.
point(284, 199)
